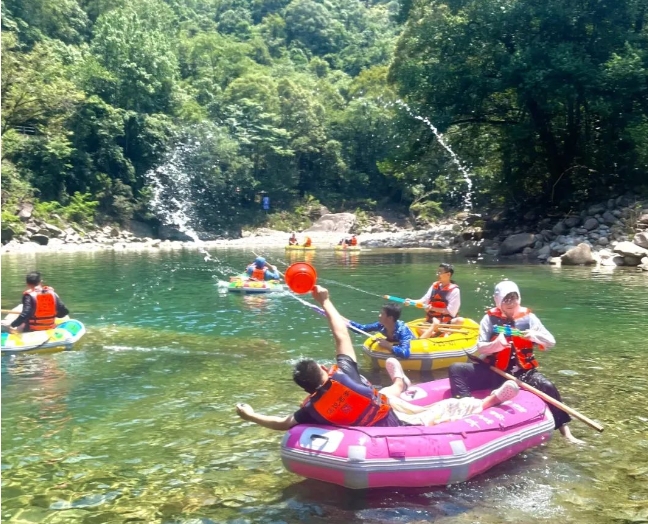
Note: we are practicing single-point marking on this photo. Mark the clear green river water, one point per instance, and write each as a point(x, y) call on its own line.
point(137, 424)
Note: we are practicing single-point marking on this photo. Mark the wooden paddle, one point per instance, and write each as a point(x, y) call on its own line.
point(537, 392)
point(10, 311)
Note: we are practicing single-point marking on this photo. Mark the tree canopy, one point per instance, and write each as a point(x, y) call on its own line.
point(544, 103)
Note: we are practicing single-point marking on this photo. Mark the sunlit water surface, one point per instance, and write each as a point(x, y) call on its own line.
point(138, 424)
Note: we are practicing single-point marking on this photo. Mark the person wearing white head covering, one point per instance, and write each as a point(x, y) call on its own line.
point(508, 334)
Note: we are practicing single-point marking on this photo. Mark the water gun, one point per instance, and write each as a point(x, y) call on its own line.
point(405, 301)
point(508, 331)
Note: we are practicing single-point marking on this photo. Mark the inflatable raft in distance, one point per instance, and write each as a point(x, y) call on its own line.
point(243, 284)
point(297, 247)
point(347, 249)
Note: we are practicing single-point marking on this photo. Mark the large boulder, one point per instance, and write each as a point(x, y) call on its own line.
point(50, 230)
point(43, 240)
point(26, 210)
point(591, 223)
point(641, 239)
point(572, 222)
point(516, 243)
point(333, 223)
point(140, 229)
point(578, 256)
point(173, 233)
point(628, 249)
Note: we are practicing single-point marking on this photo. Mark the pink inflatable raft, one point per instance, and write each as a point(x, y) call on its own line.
point(417, 456)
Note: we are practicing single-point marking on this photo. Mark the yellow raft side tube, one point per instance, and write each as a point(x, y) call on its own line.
point(430, 353)
point(296, 247)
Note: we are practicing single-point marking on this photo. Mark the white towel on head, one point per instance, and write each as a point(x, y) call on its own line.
point(504, 288)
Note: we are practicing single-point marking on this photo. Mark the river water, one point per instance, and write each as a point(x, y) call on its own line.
point(137, 424)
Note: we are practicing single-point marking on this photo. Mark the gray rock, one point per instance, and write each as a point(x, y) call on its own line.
point(628, 249)
point(172, 233)
point(616, 213)
point(611, 204)
point(591, 223)
point(51, 230)
point(597, 208)
point(7, 233)
point(42, 240)
point(629, 260)
point(26, 210)
point(544, 251)
point(516, 243)
point(578, 256)
point(641, 239)
point(333, 223)
point(548, 234)
point(559, 228)
point(472, 249)
point(603, 241)
point(140, 229)
point(572, 221)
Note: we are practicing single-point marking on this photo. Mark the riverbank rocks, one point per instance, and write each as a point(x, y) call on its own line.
point(333, 223)
point(516, 243)
point(581, 255)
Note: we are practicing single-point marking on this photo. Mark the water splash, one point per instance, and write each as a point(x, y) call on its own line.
point(467, 198)
point(170, 186)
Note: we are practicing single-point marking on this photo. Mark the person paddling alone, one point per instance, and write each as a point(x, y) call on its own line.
point(398, 335)
point(40, 307)
point(260, 270)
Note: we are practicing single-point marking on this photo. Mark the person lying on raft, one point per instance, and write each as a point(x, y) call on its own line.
point(260, 270)
point(510, 351)
point(362, 404)
point(398, 335)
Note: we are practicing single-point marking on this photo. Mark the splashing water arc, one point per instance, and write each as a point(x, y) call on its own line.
point(171, 195)
point(467, 198)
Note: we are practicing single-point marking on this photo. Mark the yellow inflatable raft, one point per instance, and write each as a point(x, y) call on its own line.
point(430, 353)
point(297, 247)
point(347, 249)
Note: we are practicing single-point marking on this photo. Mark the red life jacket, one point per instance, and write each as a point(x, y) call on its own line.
point(258, 274)
point(307, 242)
point(520, 350)
point(345, 404)
point(353, 241)
point(439, 299)
point(44, 309)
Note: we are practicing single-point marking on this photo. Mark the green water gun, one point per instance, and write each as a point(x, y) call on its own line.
point(405, 301)
point(508, 331)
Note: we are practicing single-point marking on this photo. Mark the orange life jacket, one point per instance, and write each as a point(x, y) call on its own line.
point(520, 350)
point(342, 405)
point(258, 274)
point(353, 242)
point(44, 309)
point(439, 299)
point(307, 242)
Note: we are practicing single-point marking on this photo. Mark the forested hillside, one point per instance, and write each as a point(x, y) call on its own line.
point(545, 103)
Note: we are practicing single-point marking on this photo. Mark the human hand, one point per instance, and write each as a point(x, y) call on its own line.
point(320, 294)
point(13, 330)
point(244, 411)
point(501, 341)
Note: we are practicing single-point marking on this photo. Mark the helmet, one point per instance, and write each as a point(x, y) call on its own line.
point(260, 262)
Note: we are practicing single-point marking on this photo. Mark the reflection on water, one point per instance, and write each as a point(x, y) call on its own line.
point(138, 425)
